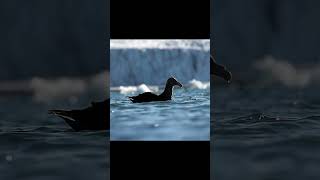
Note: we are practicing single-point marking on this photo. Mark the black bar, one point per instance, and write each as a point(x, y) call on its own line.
point(162, 19)
point(162, 159)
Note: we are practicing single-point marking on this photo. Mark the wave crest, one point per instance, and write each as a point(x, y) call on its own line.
point(287, 74)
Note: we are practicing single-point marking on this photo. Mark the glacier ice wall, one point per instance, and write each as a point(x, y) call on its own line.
point(153, 66)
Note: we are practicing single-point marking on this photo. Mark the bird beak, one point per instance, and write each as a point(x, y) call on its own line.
point(227, 76)
point(179, 84)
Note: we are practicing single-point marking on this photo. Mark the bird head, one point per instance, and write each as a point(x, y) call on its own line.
point(172, 81)
point(220, 71)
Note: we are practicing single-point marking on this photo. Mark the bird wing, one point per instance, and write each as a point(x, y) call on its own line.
point(63, 114)
point(143, 97)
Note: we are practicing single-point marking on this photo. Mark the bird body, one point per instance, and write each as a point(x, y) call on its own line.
point(144, 97)
point(165, 96)
point(94, 117)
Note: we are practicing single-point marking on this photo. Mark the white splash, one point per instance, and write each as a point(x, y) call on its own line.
point(198, 84)
point(198, 44)
point(129, 89)
point(148, 88)
point(48, 90)
point(133, 89)
point(287, 74)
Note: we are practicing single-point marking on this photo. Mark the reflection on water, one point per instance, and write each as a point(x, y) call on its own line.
point(186, 117)
point(35, 145)
point(265, 133)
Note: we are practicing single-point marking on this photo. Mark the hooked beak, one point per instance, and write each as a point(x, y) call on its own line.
point(220, 71)
point(179, 84)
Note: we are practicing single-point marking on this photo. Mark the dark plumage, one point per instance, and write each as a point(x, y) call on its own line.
point(165, 96)
point(95, 117)
point(219, 70)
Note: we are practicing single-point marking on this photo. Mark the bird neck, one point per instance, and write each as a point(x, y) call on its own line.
point(167, 93)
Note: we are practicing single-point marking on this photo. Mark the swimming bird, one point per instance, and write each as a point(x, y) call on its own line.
point(219, 70)
point(95, 117)
point(165, 96)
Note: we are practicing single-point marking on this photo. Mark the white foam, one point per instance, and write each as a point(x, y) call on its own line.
point(199, 44)
point(133, 89)
point(127, 89)
point(49, 90)
point(198, 84)
point(286, 73)
point(148, 88)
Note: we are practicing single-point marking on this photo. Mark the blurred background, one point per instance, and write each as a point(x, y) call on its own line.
point(265, 124)
point(255, 35)
point(53, 55)
point(52, 40)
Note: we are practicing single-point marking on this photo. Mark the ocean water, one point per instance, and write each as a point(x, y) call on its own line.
point(185, 117)
point(269, 132)
point(35, 145)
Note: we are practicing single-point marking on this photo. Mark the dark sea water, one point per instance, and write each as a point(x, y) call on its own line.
point(185, 117)
point(265, 133)
point(35, 145)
